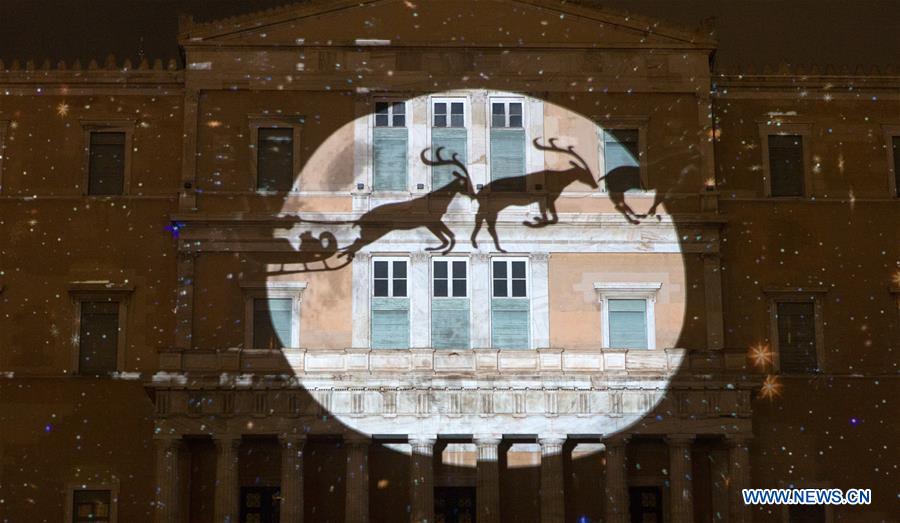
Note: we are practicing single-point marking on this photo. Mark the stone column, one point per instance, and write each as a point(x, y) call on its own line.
point(356, 501)
point(553, 508)
point(681, 487)
point(487, 495)
point(739, 472)
point(292, 477)
point(421, 482)
point(226, 496)
point(615, 506)
point(167, 479)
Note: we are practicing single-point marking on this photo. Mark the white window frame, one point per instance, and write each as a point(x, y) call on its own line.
point(390, 260)
point(450, 260)
point(812, 295)
point(506, 100)
point(275, 290)
point(639, 123)
point(804, 130)
point(82, 292)
point(391, 102)
point(627, 291)
point(509, 260)
point(890, 132)
point(449, 100)
point(293, 122)
point(112, 487)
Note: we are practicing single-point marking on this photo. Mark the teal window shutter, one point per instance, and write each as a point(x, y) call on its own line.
point(450, 323)
point(508, 159)
point(453, 140)
point(390, 323)
point(620, 147)
point(99, 337)
point(390, 158)
point(628, 324)
point(510, 325)
point(272, 323)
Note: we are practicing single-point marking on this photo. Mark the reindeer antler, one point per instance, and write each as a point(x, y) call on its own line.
point(454, 160)
point(570, 150)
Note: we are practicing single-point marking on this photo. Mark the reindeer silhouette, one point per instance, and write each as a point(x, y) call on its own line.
point(621, 180)
point(430, 211)
point(555, 181)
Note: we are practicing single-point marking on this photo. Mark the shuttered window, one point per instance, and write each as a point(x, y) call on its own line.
point(507, 147)
point(391, 141)
point(450, 304)
point(797, 336)
point(106, 169)
point(786, 164)
point(275, 159)
point(510, 305)
point(390, 303)
point(627, 320)
point(621, 150)
point(272, 319)
point(895, 143)
point(92, 506)
point(98, 342)
point(448, 132)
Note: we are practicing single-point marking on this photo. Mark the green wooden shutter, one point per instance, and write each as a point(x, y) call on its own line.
point(272, 323)
point(450, 323)
point(390, 323)
point(508, 159)
point(620, 148)
point(99, 337)
point(797, 337)
point(786, 165)
point(628, 324)
point(510, 325)
point(453, 141)
point(390, 159)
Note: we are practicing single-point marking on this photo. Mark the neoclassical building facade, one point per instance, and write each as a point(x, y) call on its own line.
point(455, 261)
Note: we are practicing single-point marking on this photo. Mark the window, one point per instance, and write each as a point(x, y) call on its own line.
point(272, 319)
point(895, 147)
point(448, 131)
point(98, 339)
point(628, 317)
point(621, 155)
point(507, 147)
point(390, 303)
point(510, 305)
point(275, 159)
point(627, 320)
point(450, 304)
point(107, 161)
point(272, 314)
point(390, 143)
point(796, 336)
point(92, 506)
point(786, 168)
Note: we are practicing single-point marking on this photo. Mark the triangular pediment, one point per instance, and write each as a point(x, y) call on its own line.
point(475, 23)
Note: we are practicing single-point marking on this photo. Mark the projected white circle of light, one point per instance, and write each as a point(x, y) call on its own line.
point(508, 270)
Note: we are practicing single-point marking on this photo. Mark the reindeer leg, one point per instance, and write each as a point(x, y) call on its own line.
point(492, 228)
point(627, 212)
point(554, 218)
point(441, 232)
point(479, 218)
point(538, 222)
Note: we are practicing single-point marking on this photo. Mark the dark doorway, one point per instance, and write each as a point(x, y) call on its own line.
point(645, 504)
point(454, 505)
point(260, 504)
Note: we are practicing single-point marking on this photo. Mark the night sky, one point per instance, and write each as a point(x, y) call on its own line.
point(757, 32)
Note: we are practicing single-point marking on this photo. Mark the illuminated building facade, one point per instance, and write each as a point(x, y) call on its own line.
point(470, 261)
